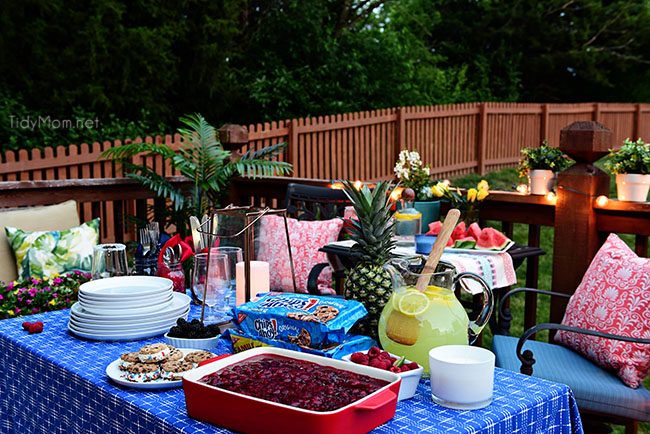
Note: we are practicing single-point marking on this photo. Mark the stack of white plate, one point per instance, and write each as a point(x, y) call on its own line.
point(126, 308)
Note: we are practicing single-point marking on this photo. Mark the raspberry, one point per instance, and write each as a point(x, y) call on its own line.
point(413, 365)
point(373, 352)
point(358, 357)
point(404, 368)
point(364, 360)
point(384, 355)
point(393, 359)
point(26, 325)
point(376, 363)
point(36, 327)
point(395, 369)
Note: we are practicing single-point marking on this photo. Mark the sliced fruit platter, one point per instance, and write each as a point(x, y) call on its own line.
point(472, 239)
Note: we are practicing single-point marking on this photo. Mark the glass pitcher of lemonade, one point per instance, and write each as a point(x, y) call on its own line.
point(413, 322)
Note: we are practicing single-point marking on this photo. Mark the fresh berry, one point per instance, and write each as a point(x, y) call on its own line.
point(404, 368)
point(413, 365)
point(36, 327)
point(393, 360)
point(357, 357)
point(26, 325)
point(384, 355)
point(395, 369)
point(376, 363)
point(374, 352)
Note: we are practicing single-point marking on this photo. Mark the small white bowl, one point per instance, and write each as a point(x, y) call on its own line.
point(196, 344)
point(410, 379)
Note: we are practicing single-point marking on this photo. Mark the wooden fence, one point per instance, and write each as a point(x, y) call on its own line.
point(453, 139)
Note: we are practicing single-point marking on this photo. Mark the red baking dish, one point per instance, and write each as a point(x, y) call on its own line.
point(253, 415)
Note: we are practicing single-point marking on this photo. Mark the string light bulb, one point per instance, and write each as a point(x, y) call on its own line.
point(337, 186)
point(551, 197)
point(522, 188)
point(602, 200)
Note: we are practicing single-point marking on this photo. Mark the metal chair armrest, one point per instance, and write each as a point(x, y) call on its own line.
point(312, 280)
point(527, 359)
point(506, 317)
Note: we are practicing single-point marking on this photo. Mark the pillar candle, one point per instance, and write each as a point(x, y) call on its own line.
point(260, 280)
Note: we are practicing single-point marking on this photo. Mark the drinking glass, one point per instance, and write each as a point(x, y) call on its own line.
point(235, 255)
point(217, 284)
point(109, 260)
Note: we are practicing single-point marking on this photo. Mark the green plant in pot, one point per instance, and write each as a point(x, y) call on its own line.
point(412, 173)
point(540, 165)
point(202, 159)
point(631, 165)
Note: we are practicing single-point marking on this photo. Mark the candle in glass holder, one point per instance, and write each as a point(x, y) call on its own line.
point(260, 280)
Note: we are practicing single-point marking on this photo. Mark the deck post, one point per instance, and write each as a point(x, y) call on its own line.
point(576, 237)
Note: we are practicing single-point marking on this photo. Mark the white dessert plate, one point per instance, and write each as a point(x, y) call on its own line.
point(124, 331)
point(118, 376)
point(119, 336)
point(123, 299)
point(127, 323)
point(135, 325)
point(125, 286)
point(120, 312)
point(143, 302)
point(180, 303)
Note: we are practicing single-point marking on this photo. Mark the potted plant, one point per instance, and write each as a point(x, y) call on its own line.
point(468, 203)
point(413, 174)
point(631, 165)
point(540, 166)
point(202, 159)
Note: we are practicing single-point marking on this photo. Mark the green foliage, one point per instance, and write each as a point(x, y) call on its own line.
point(632, 157)
point(202, 159)
point(543, 158)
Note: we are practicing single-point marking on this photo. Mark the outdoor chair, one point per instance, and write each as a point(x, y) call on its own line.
point(308, 202)
point(598, 392)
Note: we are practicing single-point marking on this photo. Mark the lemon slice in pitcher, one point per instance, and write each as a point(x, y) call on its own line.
point(413, 303)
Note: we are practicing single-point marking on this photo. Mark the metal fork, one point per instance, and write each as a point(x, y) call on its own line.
point(145, 241)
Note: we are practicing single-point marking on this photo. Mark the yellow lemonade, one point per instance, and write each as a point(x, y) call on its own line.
point(413, 322)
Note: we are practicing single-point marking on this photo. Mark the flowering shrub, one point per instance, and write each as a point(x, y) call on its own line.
point(632, 157)
point(29, 296)
point(412, 174)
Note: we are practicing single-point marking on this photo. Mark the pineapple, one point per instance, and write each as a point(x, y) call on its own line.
point(368, 282)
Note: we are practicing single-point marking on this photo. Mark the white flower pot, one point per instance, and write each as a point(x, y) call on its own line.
point(632, 187)
point(540, 181)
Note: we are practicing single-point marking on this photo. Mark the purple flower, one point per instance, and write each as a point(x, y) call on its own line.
point(57, 281)
point(55, 295)
point(29, 302)
point(35, 310)
point(46, 289)
point(1, 297)
point(32, 292)
point(18, 310)
point(10, 286)
point(35, 281)
point(77, 272)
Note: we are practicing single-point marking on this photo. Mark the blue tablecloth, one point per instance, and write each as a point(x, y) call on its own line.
point(55, 383)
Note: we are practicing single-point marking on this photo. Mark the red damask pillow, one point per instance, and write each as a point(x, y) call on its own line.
point(613, 297)
point(306, 238)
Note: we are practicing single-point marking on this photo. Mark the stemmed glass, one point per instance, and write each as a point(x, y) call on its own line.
point(235, 255)
point(109, 260)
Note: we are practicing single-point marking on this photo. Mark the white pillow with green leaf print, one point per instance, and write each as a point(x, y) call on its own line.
point(44, 253)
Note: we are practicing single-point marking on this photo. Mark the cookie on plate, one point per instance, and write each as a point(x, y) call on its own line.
point(142, 372)
point(174, 356)
point(175, 370)
point(153, 353)
point(197, 357)
point(127, 359)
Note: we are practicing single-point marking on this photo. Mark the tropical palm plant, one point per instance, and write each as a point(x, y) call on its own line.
point(202, 159)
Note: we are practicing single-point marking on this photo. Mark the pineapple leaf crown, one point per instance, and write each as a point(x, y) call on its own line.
point(373, 228)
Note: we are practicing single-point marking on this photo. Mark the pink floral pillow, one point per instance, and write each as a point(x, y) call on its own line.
point(306, 238)
point(613, 297)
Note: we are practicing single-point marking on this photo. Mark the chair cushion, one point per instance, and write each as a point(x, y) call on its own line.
point(51, 217)
point(595, 389)
point(45, 253)
point(306, 238)
point(613, 297)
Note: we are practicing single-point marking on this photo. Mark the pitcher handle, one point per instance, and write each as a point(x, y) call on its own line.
point(476, 326)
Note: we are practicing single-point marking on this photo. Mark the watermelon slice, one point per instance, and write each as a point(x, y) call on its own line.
point(465, 243)
point(434, 228)
point(459, 231)
point(474, 231)
point(491, 239)
point(450, 242)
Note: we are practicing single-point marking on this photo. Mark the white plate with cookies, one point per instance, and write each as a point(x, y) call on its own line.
point(161, 371)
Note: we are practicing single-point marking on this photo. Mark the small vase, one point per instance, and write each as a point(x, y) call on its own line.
point(632, 187)
point(430, 211)
point(541, 181)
